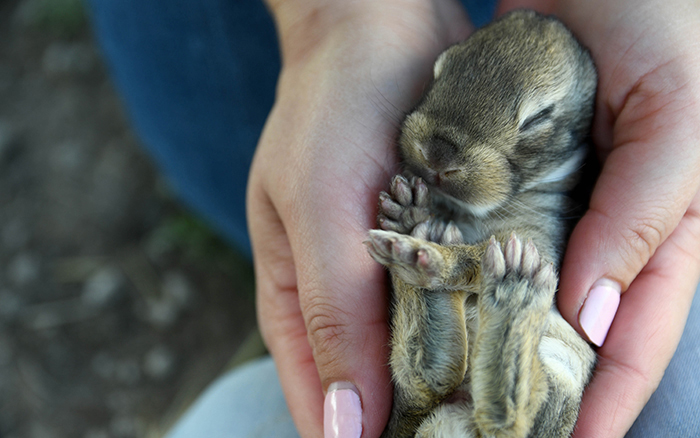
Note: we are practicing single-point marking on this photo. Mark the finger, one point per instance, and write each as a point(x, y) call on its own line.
point(279, 315)
point(645, 188)
point(644, 335)
point(343, 297)
point(322, 301)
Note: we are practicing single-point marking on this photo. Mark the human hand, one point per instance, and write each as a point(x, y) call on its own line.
point(350, 72)
point(642, 230)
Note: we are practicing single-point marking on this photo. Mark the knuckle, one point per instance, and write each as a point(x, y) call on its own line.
point(326, 326)
point(643, 237)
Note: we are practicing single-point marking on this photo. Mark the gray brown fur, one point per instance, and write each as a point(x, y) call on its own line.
point(474, 232)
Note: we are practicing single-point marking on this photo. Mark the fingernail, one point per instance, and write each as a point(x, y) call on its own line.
point(342, 412)
point(599, 310)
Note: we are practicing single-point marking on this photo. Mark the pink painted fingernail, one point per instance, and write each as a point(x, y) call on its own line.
point(342, 412)
point(599, 310)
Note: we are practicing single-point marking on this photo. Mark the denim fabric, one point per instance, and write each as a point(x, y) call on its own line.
point(198, 80)
point(480, 11)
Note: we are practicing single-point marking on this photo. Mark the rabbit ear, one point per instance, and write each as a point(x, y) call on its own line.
point(439, 64)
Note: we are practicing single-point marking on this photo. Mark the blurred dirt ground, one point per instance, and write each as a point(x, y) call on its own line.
point(116, 306)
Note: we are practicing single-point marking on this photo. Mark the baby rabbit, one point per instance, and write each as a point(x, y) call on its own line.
point(473, 233)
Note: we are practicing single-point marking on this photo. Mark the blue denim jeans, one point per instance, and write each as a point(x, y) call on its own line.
point(198, 80)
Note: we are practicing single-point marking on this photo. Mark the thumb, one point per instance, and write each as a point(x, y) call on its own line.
point(645, 188)
point(343, 300)
point(322, 312)
point(322, 301)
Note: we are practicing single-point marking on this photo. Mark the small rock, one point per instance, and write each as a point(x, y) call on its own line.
point(162, 314)
point(68, 58)
point(176, 294)
point(23, 269)
point(159, 363)
point(177, 288)
point(103, 287)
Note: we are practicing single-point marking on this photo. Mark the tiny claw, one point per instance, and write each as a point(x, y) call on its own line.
point(374, 250)
point(382, 240)
point(388, 207)
point(494, 261)
point(513, 252)
point(401, 190)
point(420, 193)
point(397, 178)
point(388, 224)
point(452, 235)
point(531, 259)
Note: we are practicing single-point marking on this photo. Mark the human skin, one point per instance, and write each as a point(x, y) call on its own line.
point(350, 71)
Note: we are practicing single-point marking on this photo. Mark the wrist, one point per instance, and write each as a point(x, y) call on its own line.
point(304, 26)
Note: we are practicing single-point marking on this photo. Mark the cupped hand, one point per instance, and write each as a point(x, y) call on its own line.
point(350, 72)
point(641, 234)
